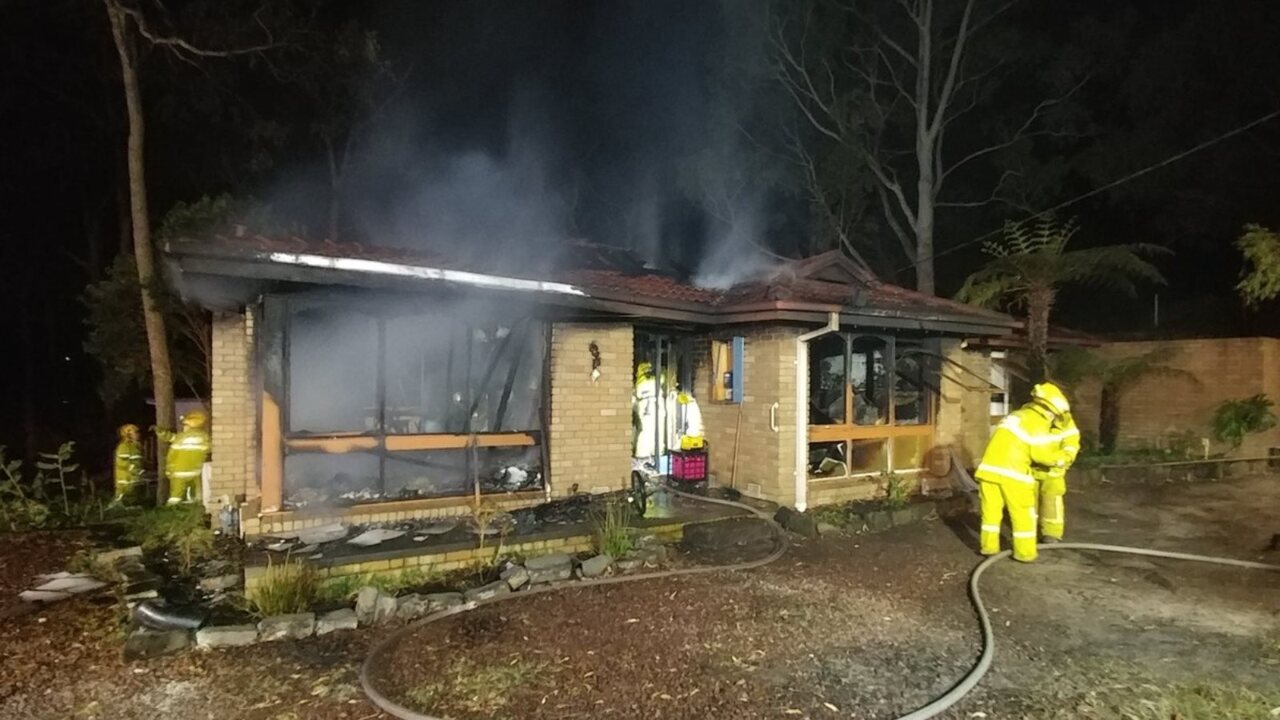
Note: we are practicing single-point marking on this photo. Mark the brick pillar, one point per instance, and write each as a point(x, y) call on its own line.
point(590, 433)
point(964, 407)
point(233, 399)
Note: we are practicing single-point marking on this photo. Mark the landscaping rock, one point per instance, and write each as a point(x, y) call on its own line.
point(799, 523)
point(221, 583)
point(145, 643)
point(877, 521)
point(629, 565)
point(412, 606)
point(112, 556)
point(599, 565)
point(828, 529)
point(443, 601)
point(226, 636)
point(287, 627)
point(515, 576)
point(549, 568)
point(374, 606)
point(344, 619)
point(486, 592)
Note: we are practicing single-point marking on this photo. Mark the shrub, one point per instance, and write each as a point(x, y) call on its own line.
point(897, 490)
point(288, 587)
point(613, 529)
point(180, 529)
point(1236, 418)
point(345, 587)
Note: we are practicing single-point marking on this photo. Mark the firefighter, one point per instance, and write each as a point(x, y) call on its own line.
point(1023, 440)
point(184, 462)
point(128, 464)
point(645, 403)
point(1052, 481)
point(683, 416)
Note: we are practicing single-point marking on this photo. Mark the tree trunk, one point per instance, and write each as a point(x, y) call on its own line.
point(1039, 304)
point(924, 236)
point(1108, 418)
point(157, 337)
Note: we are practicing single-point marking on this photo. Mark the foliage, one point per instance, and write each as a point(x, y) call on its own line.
point(25, 505)
point(1234, 419)
point(1261, 278)
point(1030, 261)
point(116, 335)
point(479, 689)
point(180, 529)
point(20, 510)
point(347, 586)
point(60, 463)
point(1144, 701)
point(613, 528)
point(897, 490)
point(216, 215)
point(285, 588)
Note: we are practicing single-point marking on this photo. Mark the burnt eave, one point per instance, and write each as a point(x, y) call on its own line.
point(194, 261)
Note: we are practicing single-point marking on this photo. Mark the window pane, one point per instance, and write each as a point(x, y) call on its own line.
point(910, 390)
point(443, 368)
point(312, 479)
point(827, 460)
point(909, 451)
point(869, 456)
point(868, 374)
point(828, 378)
point(430, 473)
point(333, 371)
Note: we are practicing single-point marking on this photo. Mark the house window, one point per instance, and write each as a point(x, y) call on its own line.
point(388, 401)
point(870, 405)
point(999, 379)
point(726, 369)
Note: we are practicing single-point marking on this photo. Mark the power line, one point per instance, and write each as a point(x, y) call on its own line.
point(1132, 176)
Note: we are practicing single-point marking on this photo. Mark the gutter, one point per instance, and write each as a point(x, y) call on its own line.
point(419, 272)
point(802, 407)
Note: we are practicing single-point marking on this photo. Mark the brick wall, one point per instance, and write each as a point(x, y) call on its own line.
point(234, 431)
point(964, 405)
point(765, 459)
point(1159, 405)
point(590, 434)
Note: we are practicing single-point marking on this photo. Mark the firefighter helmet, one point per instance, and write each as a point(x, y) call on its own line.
point(195, 419)
point(129, 431)
point(1052, 397)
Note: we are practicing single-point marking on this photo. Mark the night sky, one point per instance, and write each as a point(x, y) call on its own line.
point(532, 122)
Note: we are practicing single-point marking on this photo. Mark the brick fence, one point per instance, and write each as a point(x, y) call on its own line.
point(1162, 405)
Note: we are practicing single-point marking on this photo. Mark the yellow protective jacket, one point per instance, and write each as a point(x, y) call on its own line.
point(187, 451)
point(128, 465)
point(1023, 443)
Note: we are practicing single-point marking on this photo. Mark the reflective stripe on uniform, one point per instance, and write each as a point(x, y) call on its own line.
point(1003, 472)
point(183, 474)
point(1013, 425)
point(991, 528)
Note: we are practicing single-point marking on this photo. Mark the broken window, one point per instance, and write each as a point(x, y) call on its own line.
point(439, 396)
point(828, 380)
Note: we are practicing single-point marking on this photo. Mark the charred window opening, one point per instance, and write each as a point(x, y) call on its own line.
point(870, 404)
point(409, 400)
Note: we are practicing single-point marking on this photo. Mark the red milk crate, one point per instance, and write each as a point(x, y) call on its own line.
point(689, 465)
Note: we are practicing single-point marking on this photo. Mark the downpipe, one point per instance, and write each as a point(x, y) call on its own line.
point(935, 708)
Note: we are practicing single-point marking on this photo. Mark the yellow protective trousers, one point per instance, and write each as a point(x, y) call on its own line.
point(1053, 516)
point(1020, 500)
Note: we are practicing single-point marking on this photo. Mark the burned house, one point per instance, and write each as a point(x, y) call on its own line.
point(372, 384)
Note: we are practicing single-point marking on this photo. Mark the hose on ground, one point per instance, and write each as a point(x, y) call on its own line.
point(931, 710)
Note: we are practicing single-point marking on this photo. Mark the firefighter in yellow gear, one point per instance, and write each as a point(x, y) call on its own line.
point(1021, 442)
point(128, 463)
point(184, 463)
point(1052, 481)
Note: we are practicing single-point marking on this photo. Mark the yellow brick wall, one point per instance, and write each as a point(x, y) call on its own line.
point(765, 459)
point(964, 405)
point(1160, 405)
point(590, 434)
point(234, 428)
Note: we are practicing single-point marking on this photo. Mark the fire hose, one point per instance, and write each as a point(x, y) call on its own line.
point(931, 710)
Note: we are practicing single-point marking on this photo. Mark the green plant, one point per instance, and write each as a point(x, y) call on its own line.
point(1236, 418)
point(178, 528)
point(1261, 279)
point(897, 490)
point(20, 510)
point(287, 587)
point(59, 462)
point(1030, 262)
point(345, 587)
point(613, 528)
